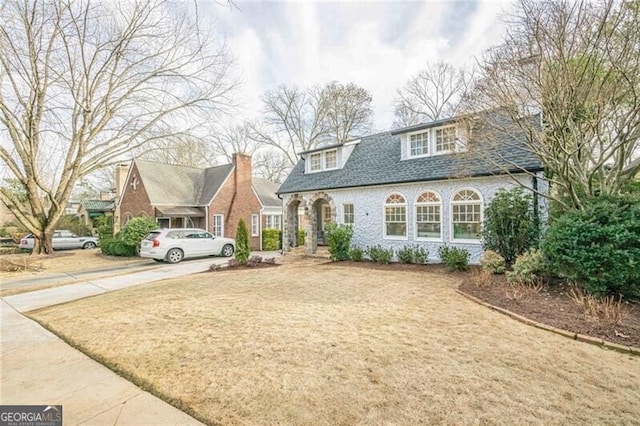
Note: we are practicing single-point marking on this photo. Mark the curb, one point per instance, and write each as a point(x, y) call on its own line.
point(574, 336)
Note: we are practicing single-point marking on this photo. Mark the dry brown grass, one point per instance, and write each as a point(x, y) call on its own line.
point(328, 344)
point(62, 261)
point(607, 310)
point(520, 291)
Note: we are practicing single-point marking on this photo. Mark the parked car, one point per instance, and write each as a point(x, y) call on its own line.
point(173, 245)
point(62, 239)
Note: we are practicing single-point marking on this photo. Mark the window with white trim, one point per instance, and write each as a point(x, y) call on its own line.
point(419, 144)
point(315, 162)
point(331, 159)
point(273, 221)
point(217, 225)
point(466, 215)
point(428, 215)
point(445, 139)
point(255, 225)
point(348, 214)
point(395, 216)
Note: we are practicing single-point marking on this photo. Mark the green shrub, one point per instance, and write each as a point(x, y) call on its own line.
point(379, 254)
point(598, 247)
point(356, 254)
point(271, 239)
point(116, 247)
point(492, 262)
point(456, 259)
point(104, 225)
point(528, 268)
point(136, 229)
point(510, 227)
point(339, 239)
point(413, 254)
point(242, 243)
point(300, 237)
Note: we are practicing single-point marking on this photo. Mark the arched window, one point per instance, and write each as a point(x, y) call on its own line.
point(395, 216)
point(428, 215)
point(466, 215)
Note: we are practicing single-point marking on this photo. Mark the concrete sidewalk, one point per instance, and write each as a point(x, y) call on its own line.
point(39, 368)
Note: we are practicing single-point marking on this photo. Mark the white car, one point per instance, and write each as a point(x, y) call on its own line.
point(62, 239)
point(173, 245)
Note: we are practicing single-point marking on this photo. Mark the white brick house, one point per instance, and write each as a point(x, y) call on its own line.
point(418, 185)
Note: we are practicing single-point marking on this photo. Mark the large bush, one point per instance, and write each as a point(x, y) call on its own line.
point(127, 241)
point(136, 229)
point(598, 247)
point(271, 239)
point(510, 227)
point(242, 243)
point(379, 254)
point(339, 239)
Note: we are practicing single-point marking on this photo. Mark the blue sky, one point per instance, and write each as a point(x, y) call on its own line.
point(377, 45)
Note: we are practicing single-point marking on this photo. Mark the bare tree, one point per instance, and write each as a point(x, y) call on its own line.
point(181, 150)
point(347, 111)
point(297, 120)
point(577, 64)
point(432, 94)
point(272, 165)
point(83, 83)
point(227, 140)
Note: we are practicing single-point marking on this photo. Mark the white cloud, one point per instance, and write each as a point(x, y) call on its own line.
point(377, 45)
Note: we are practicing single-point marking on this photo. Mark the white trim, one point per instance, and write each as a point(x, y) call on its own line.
point(213, 224)
point(255, 225)
point(428, 144)
point(435, 139)
point(415, 216)
point(324, 159)
point(353, 206)
point(384, 217)
point(451, 224)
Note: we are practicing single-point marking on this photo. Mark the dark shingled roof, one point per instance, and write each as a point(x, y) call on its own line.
point(376, 161)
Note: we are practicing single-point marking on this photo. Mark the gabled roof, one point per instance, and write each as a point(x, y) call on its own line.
point(376, 160)
point(168, 184)
point(97, 205)
point(173, 186)
point(266, 191)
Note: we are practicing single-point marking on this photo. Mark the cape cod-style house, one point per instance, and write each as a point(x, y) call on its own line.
point(213, 198)
point(417, 185)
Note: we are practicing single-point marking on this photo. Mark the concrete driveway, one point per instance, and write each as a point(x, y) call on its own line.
point(39, 368)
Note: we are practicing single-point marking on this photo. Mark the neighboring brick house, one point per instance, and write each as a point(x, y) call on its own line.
point(214, 198)
point(418, 185)
point(91, 209)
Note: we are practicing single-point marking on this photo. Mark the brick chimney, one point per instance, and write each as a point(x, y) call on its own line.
point(242, 163)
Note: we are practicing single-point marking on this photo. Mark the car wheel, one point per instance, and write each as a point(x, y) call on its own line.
point(89, 245)
point(174, 256)
point(159, 260)
point(227, 250)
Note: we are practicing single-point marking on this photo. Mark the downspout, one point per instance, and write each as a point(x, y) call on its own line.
point(534, 185)
point(282, 222)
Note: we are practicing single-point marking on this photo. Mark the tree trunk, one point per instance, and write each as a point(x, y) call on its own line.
point(42, 243)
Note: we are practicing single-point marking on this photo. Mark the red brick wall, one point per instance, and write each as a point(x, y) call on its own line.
point(135, 202)
point(236, 200)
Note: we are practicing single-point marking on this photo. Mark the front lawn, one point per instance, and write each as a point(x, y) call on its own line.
point(313, 343)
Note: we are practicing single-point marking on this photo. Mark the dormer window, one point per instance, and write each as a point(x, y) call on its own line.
point(323, 160)
point(431, 141)
point(446, 139)
point(331, 159)
point(419, 144)
point(315, 162)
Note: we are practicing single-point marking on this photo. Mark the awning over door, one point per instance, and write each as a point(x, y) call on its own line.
point(178, 211)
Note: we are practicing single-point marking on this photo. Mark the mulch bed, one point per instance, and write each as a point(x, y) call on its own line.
point(553, 306)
